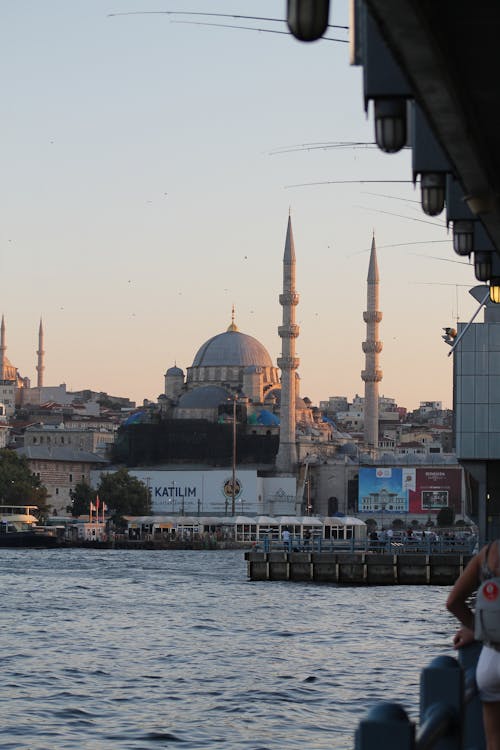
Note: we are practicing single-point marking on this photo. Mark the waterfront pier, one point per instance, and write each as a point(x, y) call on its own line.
point(356, 568)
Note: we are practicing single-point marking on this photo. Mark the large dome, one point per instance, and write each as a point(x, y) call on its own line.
point(232, 349)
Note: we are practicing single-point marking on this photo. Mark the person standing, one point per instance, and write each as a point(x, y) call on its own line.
point(485, 565)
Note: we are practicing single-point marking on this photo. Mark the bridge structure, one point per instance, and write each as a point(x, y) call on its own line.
point(450, 716)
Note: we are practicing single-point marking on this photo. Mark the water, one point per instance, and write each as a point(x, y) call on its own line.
point(177, 649)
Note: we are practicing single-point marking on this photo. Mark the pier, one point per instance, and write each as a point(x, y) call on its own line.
point(356, 568)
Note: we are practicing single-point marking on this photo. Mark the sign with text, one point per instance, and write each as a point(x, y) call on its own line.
point(413, 490)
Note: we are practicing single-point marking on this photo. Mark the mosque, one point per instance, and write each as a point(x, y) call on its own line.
point(232, 382)
point(182, 449)
point(234, 366)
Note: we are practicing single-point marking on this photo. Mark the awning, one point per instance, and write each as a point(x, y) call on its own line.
point(343, 521)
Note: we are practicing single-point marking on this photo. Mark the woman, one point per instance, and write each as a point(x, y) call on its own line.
point(484, 565)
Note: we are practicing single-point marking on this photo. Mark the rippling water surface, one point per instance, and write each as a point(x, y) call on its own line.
point(157, 649)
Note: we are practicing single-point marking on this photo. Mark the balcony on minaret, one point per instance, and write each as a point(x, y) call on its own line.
point(288, 363)
point(290, 331)
point(372, 316)
point(372, 347)
point(289, 298)
point(371, 376)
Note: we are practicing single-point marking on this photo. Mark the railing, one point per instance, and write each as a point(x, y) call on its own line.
point(317, 544)
point(450, 711)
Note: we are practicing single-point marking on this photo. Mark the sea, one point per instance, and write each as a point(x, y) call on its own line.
point(104, 649)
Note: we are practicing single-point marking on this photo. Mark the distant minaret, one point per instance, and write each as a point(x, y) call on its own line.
point(372, 347)
point(40, 366)
point(288, 362)
point(2, 350)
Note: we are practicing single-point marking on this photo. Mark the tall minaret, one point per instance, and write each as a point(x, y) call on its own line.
point(288, 362)
point(40, 366)
point(2, 350)
point(372, 347)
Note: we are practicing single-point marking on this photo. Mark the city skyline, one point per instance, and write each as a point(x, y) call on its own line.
point(149, 170)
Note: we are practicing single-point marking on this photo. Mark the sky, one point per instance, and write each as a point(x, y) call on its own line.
point(148, 170)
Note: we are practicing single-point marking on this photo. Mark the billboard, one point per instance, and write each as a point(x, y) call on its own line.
point(195, 492)
point(409, 490)
point(381, 489)
point(435, 489)
point(210, 492)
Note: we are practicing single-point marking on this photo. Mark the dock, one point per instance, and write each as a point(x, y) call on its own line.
point(356, 568)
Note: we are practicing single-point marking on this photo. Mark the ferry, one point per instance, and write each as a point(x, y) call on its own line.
point(18, 528)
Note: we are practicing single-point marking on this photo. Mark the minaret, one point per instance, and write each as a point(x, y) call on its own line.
point(372, 347)
point(288, 362)
point(2, 350)
point(40, 366)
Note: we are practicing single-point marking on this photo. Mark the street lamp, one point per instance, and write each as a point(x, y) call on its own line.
point(307, 19)
point(233, 484)
point(432, 185)
point(390, 124)
point(495, 289)
point(482, 265)
point(463, 237)
point(172, 496)
point(308, 504)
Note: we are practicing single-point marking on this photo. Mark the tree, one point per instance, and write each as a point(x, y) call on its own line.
point(445, 517)
point(124, 495)
point(18, 485)
point(81, 497)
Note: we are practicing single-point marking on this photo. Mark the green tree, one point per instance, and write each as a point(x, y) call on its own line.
point(19, 486)
point(81, 497)
point(124, 495)
point(445, 517)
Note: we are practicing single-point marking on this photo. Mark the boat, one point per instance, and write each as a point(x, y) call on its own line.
point(18, 528)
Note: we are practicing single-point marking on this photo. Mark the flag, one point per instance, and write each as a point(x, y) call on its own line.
point(104, 507)
point(97, 501)
point(92, 506)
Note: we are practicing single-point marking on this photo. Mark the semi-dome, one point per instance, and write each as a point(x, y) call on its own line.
point(232, 349)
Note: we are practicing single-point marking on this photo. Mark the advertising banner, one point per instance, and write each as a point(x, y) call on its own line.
point(210, 492)
point(194, 492)
point(381, 489)
point(436, 489)
point(413, 490)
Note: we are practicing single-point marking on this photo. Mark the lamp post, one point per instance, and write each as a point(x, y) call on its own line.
point(308, 488)
point(233, 484)
point(172, 496)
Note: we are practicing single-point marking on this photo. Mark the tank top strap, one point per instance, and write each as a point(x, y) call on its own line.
point(486, 571)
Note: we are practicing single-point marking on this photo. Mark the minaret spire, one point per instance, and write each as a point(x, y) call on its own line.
point(40, 366)
point(3, 348)
point(232, 326)
point(288, 362)
point(372, 347)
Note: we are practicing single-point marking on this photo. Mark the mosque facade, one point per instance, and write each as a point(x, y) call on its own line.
point(233, 366)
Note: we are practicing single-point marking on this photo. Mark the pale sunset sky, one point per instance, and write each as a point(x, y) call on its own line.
point(148, 168)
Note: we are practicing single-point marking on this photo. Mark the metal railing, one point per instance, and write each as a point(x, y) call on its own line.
point(450, 711)
point(318, 544)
